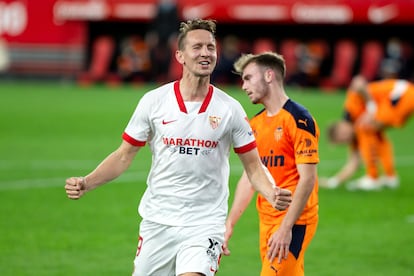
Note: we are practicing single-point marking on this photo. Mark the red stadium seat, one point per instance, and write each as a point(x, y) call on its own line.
point(344, 57)
point(102, 52)
point(372, 53)
point(288, 49)
point(263, 45)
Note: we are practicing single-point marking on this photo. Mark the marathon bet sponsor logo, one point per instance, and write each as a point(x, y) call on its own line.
point(190, 146)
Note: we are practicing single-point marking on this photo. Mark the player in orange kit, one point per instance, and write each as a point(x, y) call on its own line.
point(371, 108)
point(287, 139)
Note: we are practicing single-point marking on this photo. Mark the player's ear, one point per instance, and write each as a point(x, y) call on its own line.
point(269, 75)
point(179, 56)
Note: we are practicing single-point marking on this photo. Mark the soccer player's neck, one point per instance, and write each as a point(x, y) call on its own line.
point(274, 103)
point(193, 90)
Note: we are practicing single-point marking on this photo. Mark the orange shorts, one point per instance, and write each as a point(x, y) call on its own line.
point(302, 235)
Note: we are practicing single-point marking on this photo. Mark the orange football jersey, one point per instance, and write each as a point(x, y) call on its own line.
point(394, 99)
point(395, 103)
point(283, 141)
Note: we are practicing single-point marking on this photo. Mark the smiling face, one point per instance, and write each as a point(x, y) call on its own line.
point(254, 82)
point(199, 54)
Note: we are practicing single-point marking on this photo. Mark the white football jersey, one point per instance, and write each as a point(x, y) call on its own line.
point(190, 144)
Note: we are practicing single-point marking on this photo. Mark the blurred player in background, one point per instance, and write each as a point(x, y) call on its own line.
point(287, 139)
point(190, 127)
point(160, 38)
point(371, 108)
point(371, 148)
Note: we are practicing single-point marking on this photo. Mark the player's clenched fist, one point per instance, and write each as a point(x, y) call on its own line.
point(75, 187)
point(283, 198)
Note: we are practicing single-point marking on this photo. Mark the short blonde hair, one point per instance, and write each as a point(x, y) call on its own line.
point(195, 24)
point(266, 59)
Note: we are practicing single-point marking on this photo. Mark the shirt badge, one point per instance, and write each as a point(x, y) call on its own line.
point(214, 121)
point(278, 133)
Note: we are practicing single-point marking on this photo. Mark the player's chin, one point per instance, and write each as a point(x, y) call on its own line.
point(254, 100)
point(204, 73)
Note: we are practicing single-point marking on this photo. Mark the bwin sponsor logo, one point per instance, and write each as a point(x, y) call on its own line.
point(273, 160)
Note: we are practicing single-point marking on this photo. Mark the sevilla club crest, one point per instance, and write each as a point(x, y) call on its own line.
point(214, 121)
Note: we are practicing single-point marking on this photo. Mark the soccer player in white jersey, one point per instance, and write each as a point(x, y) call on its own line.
point(190, 127)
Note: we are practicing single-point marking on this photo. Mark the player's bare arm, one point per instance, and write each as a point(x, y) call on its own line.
point(366, 120)
point(110, 168)
point(351, 165)
point(280, 241)
point(260, 180)
point(359, 84)
point(243, 195)
point(345, 172)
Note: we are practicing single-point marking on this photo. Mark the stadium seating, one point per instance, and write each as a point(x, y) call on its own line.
point(263, 45)
point(344, 58)
point(102, 53)
point(288, 50)
point(372, 53)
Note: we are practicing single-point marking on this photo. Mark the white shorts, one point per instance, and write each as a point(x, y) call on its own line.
point(173, 250)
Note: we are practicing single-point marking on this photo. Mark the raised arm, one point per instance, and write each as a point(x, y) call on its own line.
point(367, 120)
point(359, 84)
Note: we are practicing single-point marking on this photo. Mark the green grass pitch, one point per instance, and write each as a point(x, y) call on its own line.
point(50, 131)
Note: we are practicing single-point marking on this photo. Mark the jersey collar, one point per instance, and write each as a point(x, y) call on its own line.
point(181, 103)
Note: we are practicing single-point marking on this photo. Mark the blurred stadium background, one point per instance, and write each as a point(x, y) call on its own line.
point(71, 72)
point(324, 42)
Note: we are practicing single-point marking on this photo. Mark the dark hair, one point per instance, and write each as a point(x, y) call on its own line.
point(195, 24)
